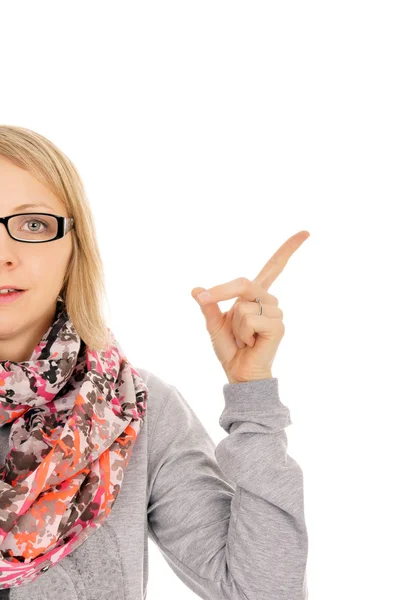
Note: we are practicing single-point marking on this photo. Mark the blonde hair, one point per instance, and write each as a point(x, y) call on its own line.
point(83, 288)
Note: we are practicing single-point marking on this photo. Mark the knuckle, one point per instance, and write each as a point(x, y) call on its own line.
point(244, 281)
point(247, 319)
point(278, 262)
point(238, 309)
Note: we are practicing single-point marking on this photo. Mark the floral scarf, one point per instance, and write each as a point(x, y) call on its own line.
point(75, 416)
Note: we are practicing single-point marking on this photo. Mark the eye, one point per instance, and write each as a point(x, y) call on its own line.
point(37, 221)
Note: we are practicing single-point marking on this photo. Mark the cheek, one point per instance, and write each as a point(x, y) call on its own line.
point(47, 267)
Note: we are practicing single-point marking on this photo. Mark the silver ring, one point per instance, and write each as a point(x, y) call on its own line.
point(261, 306)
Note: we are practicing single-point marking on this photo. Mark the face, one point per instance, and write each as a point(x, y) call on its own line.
point(37, 268)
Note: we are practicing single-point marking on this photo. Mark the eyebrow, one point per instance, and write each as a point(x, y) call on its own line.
point(23, 206)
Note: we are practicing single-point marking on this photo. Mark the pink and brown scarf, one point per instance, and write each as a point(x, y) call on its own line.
point(75, 417)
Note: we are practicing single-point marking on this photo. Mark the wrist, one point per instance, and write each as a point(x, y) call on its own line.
point(267, 375)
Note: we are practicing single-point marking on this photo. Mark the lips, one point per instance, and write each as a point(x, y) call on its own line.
point(8, 297)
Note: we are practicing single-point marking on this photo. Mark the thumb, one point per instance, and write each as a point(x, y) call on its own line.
point(211, 312)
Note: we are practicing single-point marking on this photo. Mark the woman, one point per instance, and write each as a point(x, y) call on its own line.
point(86, 473)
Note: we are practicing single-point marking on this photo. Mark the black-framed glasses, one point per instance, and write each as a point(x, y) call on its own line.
point(48, 227)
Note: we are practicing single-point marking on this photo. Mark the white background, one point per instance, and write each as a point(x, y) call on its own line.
point(206, 134)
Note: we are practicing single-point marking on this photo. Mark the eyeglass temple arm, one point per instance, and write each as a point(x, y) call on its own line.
point(69, 223)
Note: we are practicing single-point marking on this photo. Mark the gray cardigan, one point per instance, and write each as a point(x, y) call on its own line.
point(228, 519)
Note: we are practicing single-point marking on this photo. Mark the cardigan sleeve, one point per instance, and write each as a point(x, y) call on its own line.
point(229, 519)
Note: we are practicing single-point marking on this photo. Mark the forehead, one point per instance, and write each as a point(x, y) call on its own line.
point(18, 187)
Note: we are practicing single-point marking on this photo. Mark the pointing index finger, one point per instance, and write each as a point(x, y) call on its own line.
point(275, 265)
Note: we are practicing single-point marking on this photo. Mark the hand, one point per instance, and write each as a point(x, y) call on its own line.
point(260, 334)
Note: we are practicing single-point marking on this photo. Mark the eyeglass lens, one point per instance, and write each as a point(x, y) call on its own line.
point(33, 227)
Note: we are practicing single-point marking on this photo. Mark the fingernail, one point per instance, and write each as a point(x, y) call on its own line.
point(203, 296)
point(239, 343)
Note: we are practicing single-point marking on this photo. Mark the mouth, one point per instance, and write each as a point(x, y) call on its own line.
point(6, 298)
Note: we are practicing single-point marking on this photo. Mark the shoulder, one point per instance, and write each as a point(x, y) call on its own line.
point(159, 392)
point(159, 389)
point(167, 406)
point(165, 400)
